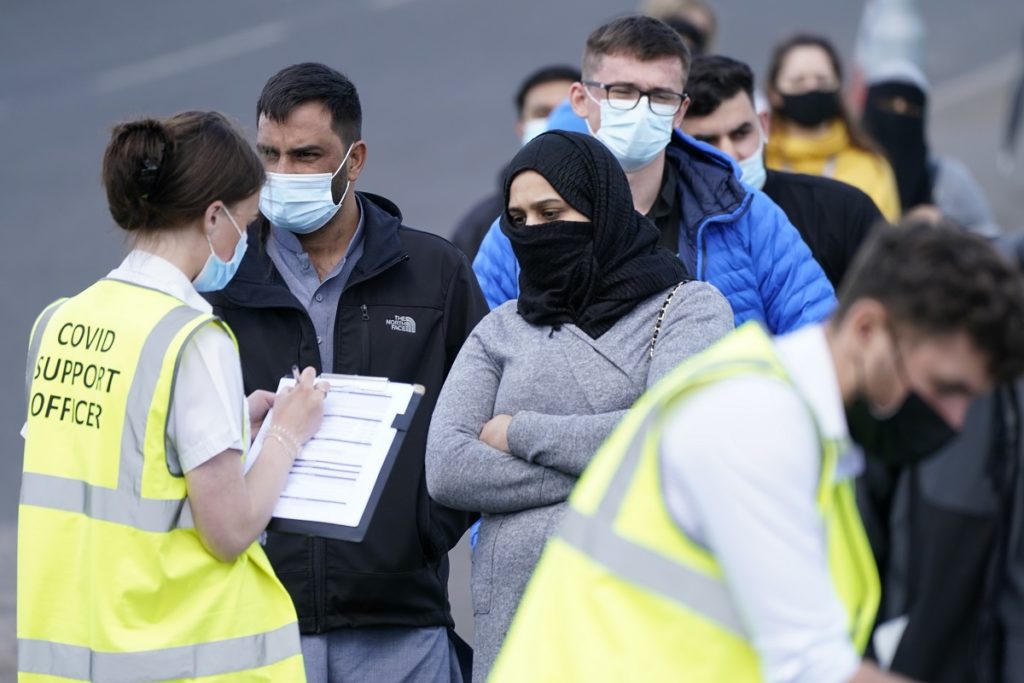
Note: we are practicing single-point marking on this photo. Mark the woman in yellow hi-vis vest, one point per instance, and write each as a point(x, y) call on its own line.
point(137, 558)
point(714, 536)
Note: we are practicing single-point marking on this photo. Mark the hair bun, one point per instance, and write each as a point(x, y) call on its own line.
point(135, 162)
point(165, 173)
point(155, 142)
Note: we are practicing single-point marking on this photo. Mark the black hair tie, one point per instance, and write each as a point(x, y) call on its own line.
point(150, 171)
point(148, 175)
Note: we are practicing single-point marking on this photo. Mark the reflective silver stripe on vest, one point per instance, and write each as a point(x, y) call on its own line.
point(644, 568)
point(36, 342)
point(619, 485)
point(125, 504)
point(595, 536)
point(108, 505)
point(189, 661)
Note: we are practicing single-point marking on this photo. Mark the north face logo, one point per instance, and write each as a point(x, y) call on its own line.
point(402, 323)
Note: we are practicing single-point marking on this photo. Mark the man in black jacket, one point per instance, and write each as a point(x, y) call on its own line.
point(832, 217)
point(334, 280)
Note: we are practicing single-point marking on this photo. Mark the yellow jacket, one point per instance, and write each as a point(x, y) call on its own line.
point(834, 156)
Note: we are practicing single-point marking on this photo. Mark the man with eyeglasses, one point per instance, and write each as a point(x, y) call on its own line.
point(632, 99)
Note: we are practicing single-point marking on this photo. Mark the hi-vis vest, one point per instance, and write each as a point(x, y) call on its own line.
point(621, 593)
point(114, 583)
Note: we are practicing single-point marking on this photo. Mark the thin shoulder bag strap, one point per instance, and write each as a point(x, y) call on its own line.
point(661, 317)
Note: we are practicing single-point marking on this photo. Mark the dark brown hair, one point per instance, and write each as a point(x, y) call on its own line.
point(640, 37)
point(163, 173)
point(858, 138)
point(715, 79)
point(936, 279)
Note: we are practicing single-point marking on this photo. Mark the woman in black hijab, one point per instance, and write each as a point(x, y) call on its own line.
point(603, 313)
point(588, 271)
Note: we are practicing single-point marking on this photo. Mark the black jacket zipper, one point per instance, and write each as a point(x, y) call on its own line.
point(364, 366)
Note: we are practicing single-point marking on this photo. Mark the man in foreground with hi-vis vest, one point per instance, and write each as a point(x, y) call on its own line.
point(714, 537)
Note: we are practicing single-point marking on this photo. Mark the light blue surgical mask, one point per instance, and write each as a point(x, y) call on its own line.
point(635, 136)
point(216, 274)
point(301, 202)
point(534, 127)
point(752, 167)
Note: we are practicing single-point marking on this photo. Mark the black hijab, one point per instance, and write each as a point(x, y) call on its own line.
point(590, 274)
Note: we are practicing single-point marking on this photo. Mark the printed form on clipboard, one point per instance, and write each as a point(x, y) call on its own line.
point(336, 480)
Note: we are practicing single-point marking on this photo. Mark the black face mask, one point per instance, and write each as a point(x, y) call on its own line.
point(811, 108)
point(909, 435)
point(557, 268)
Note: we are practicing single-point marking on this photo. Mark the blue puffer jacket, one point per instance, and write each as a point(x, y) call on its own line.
point(731, 235)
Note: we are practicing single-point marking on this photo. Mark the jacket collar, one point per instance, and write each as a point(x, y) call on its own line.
point(258, 284)
point(708, 179)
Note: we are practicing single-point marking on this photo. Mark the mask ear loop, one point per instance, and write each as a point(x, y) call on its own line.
point(348, 183)
point(234, 223)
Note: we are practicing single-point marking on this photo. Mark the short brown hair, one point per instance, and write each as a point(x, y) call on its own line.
point(640, 37)
point(939, 279)
point(164, 173)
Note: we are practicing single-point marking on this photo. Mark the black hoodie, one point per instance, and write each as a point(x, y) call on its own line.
point(409, 304)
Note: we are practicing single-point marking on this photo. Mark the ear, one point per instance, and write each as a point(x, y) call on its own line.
point(578, 98)
point(519, 128)
point(864, 319)
point(677, 121)
point(766, 123)
point(211, 216)
point(356, 160)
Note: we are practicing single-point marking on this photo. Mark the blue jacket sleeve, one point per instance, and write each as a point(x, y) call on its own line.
point(496, 268)
point(793, 287)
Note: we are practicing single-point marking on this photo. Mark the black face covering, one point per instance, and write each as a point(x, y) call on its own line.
point(552, 258)
point(894, 115)
point(590, 274)
point(811, 108)
point(912, 433)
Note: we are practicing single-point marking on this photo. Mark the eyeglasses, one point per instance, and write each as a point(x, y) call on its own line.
point(624, 97)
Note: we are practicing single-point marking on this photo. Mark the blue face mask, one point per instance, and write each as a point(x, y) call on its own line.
point(637, 136)
point(301, 202)
point(754, 173)
point(216, 274)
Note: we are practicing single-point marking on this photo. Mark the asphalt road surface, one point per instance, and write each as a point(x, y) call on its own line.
point(436, 78)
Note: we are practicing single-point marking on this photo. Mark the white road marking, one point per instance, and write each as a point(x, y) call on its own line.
point(191, 58)
point(389, 4)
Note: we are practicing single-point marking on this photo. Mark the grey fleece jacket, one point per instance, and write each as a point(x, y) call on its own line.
point(565, 393)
